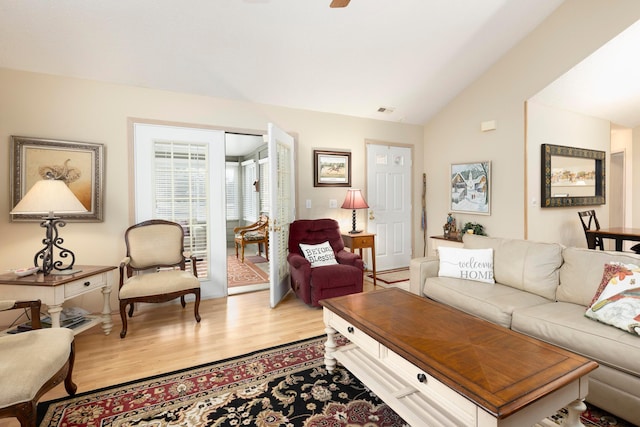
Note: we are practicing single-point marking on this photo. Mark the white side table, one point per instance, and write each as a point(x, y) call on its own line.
point(54, 290)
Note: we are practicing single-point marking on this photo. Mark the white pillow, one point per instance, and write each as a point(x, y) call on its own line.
point(319, 255)
point(470, 264)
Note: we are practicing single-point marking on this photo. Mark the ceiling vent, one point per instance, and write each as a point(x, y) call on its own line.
point(387, 110)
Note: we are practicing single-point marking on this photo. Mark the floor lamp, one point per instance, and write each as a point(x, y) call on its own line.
point(353, 201)
point(46, 197)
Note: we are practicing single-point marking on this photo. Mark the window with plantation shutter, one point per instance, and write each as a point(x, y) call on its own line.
point(249, 204)
point(181, 174)
point(232, 185)
point(264, 185)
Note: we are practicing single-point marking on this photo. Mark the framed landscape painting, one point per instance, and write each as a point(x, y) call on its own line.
point(331, 168)
point(78, 164)
point(470, 188)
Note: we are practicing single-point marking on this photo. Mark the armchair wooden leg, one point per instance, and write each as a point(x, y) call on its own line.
point(123, 317)
point(196, 306)
point(69, 385)
point(183, 302)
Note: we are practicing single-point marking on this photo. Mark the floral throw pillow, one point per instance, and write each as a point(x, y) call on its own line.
point(618, 302)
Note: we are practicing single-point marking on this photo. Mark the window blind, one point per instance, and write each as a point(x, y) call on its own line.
point(264, 185)
point(249, 205)
point(180, 193)
point(232, 185)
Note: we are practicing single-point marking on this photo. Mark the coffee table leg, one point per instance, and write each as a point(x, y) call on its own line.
point(574, 410)
point(329, 348)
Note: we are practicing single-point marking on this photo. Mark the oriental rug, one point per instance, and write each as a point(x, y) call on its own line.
point(284, 386)
point(244, 273)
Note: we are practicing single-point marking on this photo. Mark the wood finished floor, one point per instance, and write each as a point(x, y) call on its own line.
point(166, 338)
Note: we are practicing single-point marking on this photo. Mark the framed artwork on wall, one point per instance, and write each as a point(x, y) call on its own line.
point(331, 168)
point(79, 164)
point(572, 176)
point(471, 188)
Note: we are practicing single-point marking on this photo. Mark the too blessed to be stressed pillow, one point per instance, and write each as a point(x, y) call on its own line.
point(319, 255)
point(470, 264)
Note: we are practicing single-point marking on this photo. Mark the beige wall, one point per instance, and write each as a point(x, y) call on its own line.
point(547, 125)
point(570, 34)
point(45, 106)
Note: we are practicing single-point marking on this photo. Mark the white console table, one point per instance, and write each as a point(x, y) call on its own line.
point(53, 290)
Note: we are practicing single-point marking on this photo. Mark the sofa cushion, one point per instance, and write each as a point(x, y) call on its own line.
point(581, 273)
point(470, 264)
point(522, 264)
point(492, 302)
point(618, 304)
point(319, 255)
point(565, 325)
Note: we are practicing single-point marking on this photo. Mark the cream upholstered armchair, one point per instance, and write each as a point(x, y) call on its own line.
point(153, 269)
point(32, 363)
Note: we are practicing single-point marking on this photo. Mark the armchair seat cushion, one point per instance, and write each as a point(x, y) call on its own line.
point(41, 352)
point(335, 276)
point(252, 236)
point(166, 282)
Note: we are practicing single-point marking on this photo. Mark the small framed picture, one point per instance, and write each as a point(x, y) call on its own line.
point(331, 168)
point(78, 164)
point(470, 188)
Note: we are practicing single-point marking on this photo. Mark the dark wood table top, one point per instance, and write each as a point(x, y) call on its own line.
point(496, 368)
point(617, 231)
point(54, 279)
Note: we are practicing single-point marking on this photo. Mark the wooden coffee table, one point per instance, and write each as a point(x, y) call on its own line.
point(437, 366)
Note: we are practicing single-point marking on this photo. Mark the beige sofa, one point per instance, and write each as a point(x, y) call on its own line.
point(543, 290)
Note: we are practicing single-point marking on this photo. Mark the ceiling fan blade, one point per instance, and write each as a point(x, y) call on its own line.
point(339, 3)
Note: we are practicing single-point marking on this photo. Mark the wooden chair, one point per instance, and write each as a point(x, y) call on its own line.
point(153, 269)
point(589, 220)
point(32, 363)
point(256, 233)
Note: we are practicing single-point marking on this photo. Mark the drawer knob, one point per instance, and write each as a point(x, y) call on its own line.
point(87, 283)
point(422, 378)
point(350, 329)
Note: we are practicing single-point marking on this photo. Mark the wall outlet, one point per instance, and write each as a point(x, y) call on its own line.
point(333, 203)
point(308, 204)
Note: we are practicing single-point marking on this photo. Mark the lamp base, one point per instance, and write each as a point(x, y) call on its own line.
point(355, 231)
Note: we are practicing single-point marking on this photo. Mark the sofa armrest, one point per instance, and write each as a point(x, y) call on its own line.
point(419, 270)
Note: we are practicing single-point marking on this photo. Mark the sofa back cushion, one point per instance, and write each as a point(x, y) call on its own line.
point(522, 264)
point(582, 270)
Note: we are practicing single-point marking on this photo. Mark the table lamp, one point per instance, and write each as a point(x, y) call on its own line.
point(46, 197)
point(353, 201)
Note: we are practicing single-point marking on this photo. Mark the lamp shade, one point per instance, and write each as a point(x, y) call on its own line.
point(354, 200)
point(49, 195)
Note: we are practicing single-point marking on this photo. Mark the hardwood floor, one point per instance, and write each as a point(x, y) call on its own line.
point(164, 338)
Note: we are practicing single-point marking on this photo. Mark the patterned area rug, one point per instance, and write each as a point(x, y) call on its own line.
point(392, 276)
point(283, 386)
point(246, 273)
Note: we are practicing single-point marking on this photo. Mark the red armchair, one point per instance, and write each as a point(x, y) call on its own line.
point(311, 284)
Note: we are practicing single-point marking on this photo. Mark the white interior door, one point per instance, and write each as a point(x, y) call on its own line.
point(178, 171)
point(389, 199)
point(282, 202)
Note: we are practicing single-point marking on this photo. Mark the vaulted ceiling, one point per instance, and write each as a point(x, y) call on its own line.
point(410, 57)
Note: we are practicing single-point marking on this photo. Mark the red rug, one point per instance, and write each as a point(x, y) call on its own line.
point(244, 273)
point(284, 386)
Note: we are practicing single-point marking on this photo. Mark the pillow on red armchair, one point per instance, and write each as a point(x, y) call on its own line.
point(319, 255)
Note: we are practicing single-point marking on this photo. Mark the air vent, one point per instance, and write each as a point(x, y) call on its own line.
point(387, 110)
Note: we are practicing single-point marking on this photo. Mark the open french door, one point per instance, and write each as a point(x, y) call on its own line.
point(282, 202)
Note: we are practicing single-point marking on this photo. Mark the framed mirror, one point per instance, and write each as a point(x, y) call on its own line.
point(572, 176)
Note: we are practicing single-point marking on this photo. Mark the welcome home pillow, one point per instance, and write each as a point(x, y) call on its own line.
point(470, 264)
point(319, 255)
point(619, 302)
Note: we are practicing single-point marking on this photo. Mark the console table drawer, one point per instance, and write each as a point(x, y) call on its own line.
point(81, 286)
point(443, 396)
point(355, 335)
